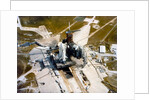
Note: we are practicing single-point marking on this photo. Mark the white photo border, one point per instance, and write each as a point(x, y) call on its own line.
point(125, 28)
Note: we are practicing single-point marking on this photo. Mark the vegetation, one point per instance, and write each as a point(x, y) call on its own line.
point(111, 83)
point(112, 65)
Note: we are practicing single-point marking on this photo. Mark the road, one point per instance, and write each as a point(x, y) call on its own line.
point(107, 55)
point(66, 81)
point(77, 80)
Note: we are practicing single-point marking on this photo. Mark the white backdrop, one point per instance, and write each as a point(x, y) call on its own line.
point(125, 43)
point(141, 26)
